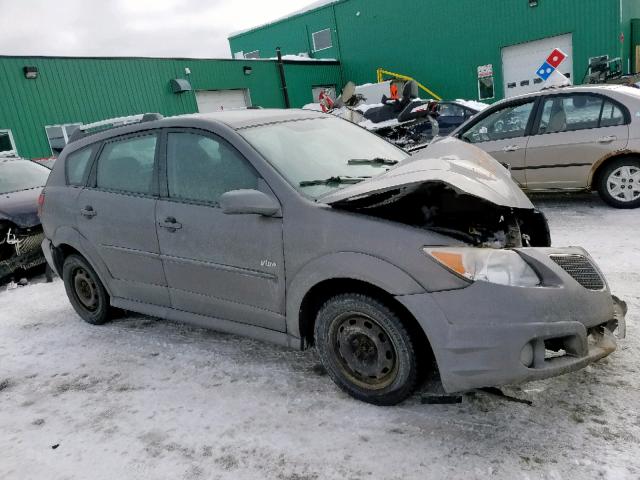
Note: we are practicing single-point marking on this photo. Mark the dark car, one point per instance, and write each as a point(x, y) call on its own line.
point(21, 182)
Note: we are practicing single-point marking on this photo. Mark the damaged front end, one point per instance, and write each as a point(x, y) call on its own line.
point(454, 189)
point(19, 249)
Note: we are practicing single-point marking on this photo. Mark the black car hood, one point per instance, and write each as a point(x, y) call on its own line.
point(21, 207)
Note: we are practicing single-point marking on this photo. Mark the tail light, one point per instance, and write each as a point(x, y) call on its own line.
point(40, 203)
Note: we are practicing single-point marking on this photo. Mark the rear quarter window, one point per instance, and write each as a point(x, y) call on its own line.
point(77, 164)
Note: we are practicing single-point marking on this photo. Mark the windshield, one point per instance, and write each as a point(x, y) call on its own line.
point(314, 155)
point(16, 175)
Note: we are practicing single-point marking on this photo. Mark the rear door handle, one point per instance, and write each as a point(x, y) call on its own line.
point(511, 148)
point(609, 139)
point(88, 212)
point(170, 224)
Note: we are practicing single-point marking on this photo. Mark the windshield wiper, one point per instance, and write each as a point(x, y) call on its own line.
point(333, 181)
point(372, 161)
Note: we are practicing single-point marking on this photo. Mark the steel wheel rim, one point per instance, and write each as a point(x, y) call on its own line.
point(364, 351)
point(85, 289)
point(623, 183)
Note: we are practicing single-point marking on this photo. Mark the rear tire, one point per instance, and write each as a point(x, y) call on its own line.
point(366, 349)
point(86, 293)
point(619, 183)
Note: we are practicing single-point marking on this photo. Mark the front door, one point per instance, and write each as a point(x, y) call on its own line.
point(230, 267)
point(116, 213)
point(573, 133)
point(503, 134)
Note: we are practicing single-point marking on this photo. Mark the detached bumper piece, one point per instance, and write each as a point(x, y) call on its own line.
point(20, 251)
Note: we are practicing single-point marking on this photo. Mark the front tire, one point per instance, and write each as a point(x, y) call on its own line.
point(366, 349)
point(86, 293)
point(619, 183)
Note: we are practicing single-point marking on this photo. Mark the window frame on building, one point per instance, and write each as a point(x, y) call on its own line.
point(493, 88)
point(252, 55)
point(11, 140)
point(65, 134)
point(313, 39)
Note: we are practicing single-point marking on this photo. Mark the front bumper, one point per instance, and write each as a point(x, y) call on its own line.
point(491, 335)
point(29, 256)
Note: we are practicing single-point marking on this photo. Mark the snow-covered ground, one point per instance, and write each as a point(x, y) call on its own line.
point(141, 398)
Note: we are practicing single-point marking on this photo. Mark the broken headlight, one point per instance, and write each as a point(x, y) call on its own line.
point(504, 267)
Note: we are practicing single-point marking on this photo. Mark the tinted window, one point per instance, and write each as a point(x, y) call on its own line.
point(612, 115)
point(508, 122)
point(76, 164)
point(201, 169)
point(127, 165)
point(566, 114)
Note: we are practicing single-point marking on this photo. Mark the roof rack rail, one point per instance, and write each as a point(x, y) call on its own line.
point(96, 127)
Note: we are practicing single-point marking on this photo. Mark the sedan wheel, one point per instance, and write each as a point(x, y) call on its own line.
point(620, 183)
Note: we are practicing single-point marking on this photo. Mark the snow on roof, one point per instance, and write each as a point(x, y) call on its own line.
point(472, 104)
point(313, 6)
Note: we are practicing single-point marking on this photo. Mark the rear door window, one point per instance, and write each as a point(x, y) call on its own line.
point(127, 165)
point(570, 113)
point(612, 115)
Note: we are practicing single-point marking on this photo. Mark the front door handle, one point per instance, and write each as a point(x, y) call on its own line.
point(88, 212)
point(511, 148)
point(170, 224)
point(608, 139)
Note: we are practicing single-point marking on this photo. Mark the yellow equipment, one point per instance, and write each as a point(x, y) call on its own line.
point(382, 72)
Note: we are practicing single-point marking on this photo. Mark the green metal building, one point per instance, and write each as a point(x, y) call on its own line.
point(44, 98)
point(472, 49)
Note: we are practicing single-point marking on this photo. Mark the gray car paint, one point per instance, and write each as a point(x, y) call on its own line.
point(475, 329)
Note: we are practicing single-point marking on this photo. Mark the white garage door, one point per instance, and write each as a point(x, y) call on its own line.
point(520, 63)
point(221, 100)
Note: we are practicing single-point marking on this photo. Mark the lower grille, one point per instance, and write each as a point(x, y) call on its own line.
point(581, 270)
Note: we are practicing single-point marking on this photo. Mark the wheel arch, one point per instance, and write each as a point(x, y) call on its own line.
point(68, 241)
point(600, 165)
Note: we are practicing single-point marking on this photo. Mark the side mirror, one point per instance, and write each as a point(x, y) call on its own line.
point(248, 202)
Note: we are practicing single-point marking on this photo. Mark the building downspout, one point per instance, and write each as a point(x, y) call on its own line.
point(335, 23)
point(283, 80)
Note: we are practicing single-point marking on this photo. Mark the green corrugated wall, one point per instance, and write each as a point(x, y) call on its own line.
point(442, 42)
point(72, 90)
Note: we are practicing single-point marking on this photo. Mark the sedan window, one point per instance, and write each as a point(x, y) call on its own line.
point(566, 114)
point(508, 122)
point(16, 175)
point(612, 116)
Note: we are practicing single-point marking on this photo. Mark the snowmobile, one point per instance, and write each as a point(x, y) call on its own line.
point(407, 121)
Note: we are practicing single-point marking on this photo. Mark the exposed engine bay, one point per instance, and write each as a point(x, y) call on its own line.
point(20, 249)
point(439, 207)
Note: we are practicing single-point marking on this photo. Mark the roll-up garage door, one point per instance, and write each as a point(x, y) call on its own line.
point(520, 63)
point(221, 100)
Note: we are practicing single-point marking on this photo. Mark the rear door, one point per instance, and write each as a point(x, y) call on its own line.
point(572, 133)
point(116, 213)
point(503, 133)
point(229, 267)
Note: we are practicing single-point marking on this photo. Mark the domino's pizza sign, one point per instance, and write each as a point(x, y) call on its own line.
point(551, 64)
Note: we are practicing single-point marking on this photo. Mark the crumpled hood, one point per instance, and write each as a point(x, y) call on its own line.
point(460, 165)
point(21, 207)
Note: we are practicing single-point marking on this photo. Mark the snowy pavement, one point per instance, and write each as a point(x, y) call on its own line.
point(141, 398)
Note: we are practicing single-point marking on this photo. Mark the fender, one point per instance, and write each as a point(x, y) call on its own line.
point(72, 237)
point(345, 265)
point(611, 156)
